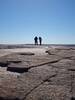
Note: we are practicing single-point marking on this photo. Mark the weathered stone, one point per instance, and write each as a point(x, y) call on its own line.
point(43, 72)
point(13, 87)
point(62, 52)
point(63, 78)
point(52, 51)
point(26, 53)
point(20, 68)
point(45, 76)
point(66, 53)
point(64, 63)
point(73, 84)
point(49, 92)
point(25, 62)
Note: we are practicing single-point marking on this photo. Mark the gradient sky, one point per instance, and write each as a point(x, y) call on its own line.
point(22, 20)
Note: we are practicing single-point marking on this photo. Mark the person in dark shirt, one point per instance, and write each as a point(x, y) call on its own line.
point(40, 40)
point(36, 40)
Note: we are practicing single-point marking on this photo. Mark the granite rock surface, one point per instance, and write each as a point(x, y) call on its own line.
point(35, 75)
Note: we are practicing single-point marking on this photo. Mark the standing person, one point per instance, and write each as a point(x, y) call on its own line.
point(40, 40)
point(36, 40)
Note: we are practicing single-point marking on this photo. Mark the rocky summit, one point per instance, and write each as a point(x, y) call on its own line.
point(39, 73)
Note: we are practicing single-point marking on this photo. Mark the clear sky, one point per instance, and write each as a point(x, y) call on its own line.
point(22, 20)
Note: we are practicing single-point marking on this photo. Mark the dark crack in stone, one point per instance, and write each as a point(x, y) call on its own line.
point(26, 53)
point(4, 64)
point(49, 92)
point(73, 98)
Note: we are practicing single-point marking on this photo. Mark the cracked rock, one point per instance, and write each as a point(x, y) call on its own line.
point(38, 76)
point(49, 92)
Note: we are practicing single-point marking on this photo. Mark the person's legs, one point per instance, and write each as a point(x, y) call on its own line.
point(40, 42)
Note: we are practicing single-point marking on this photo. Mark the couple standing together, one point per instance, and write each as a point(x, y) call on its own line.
point(36, 40)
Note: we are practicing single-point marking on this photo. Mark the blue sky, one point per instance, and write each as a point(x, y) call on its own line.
point(22, 20)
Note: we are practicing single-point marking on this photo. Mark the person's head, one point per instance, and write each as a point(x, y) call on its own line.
point(40, 38)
